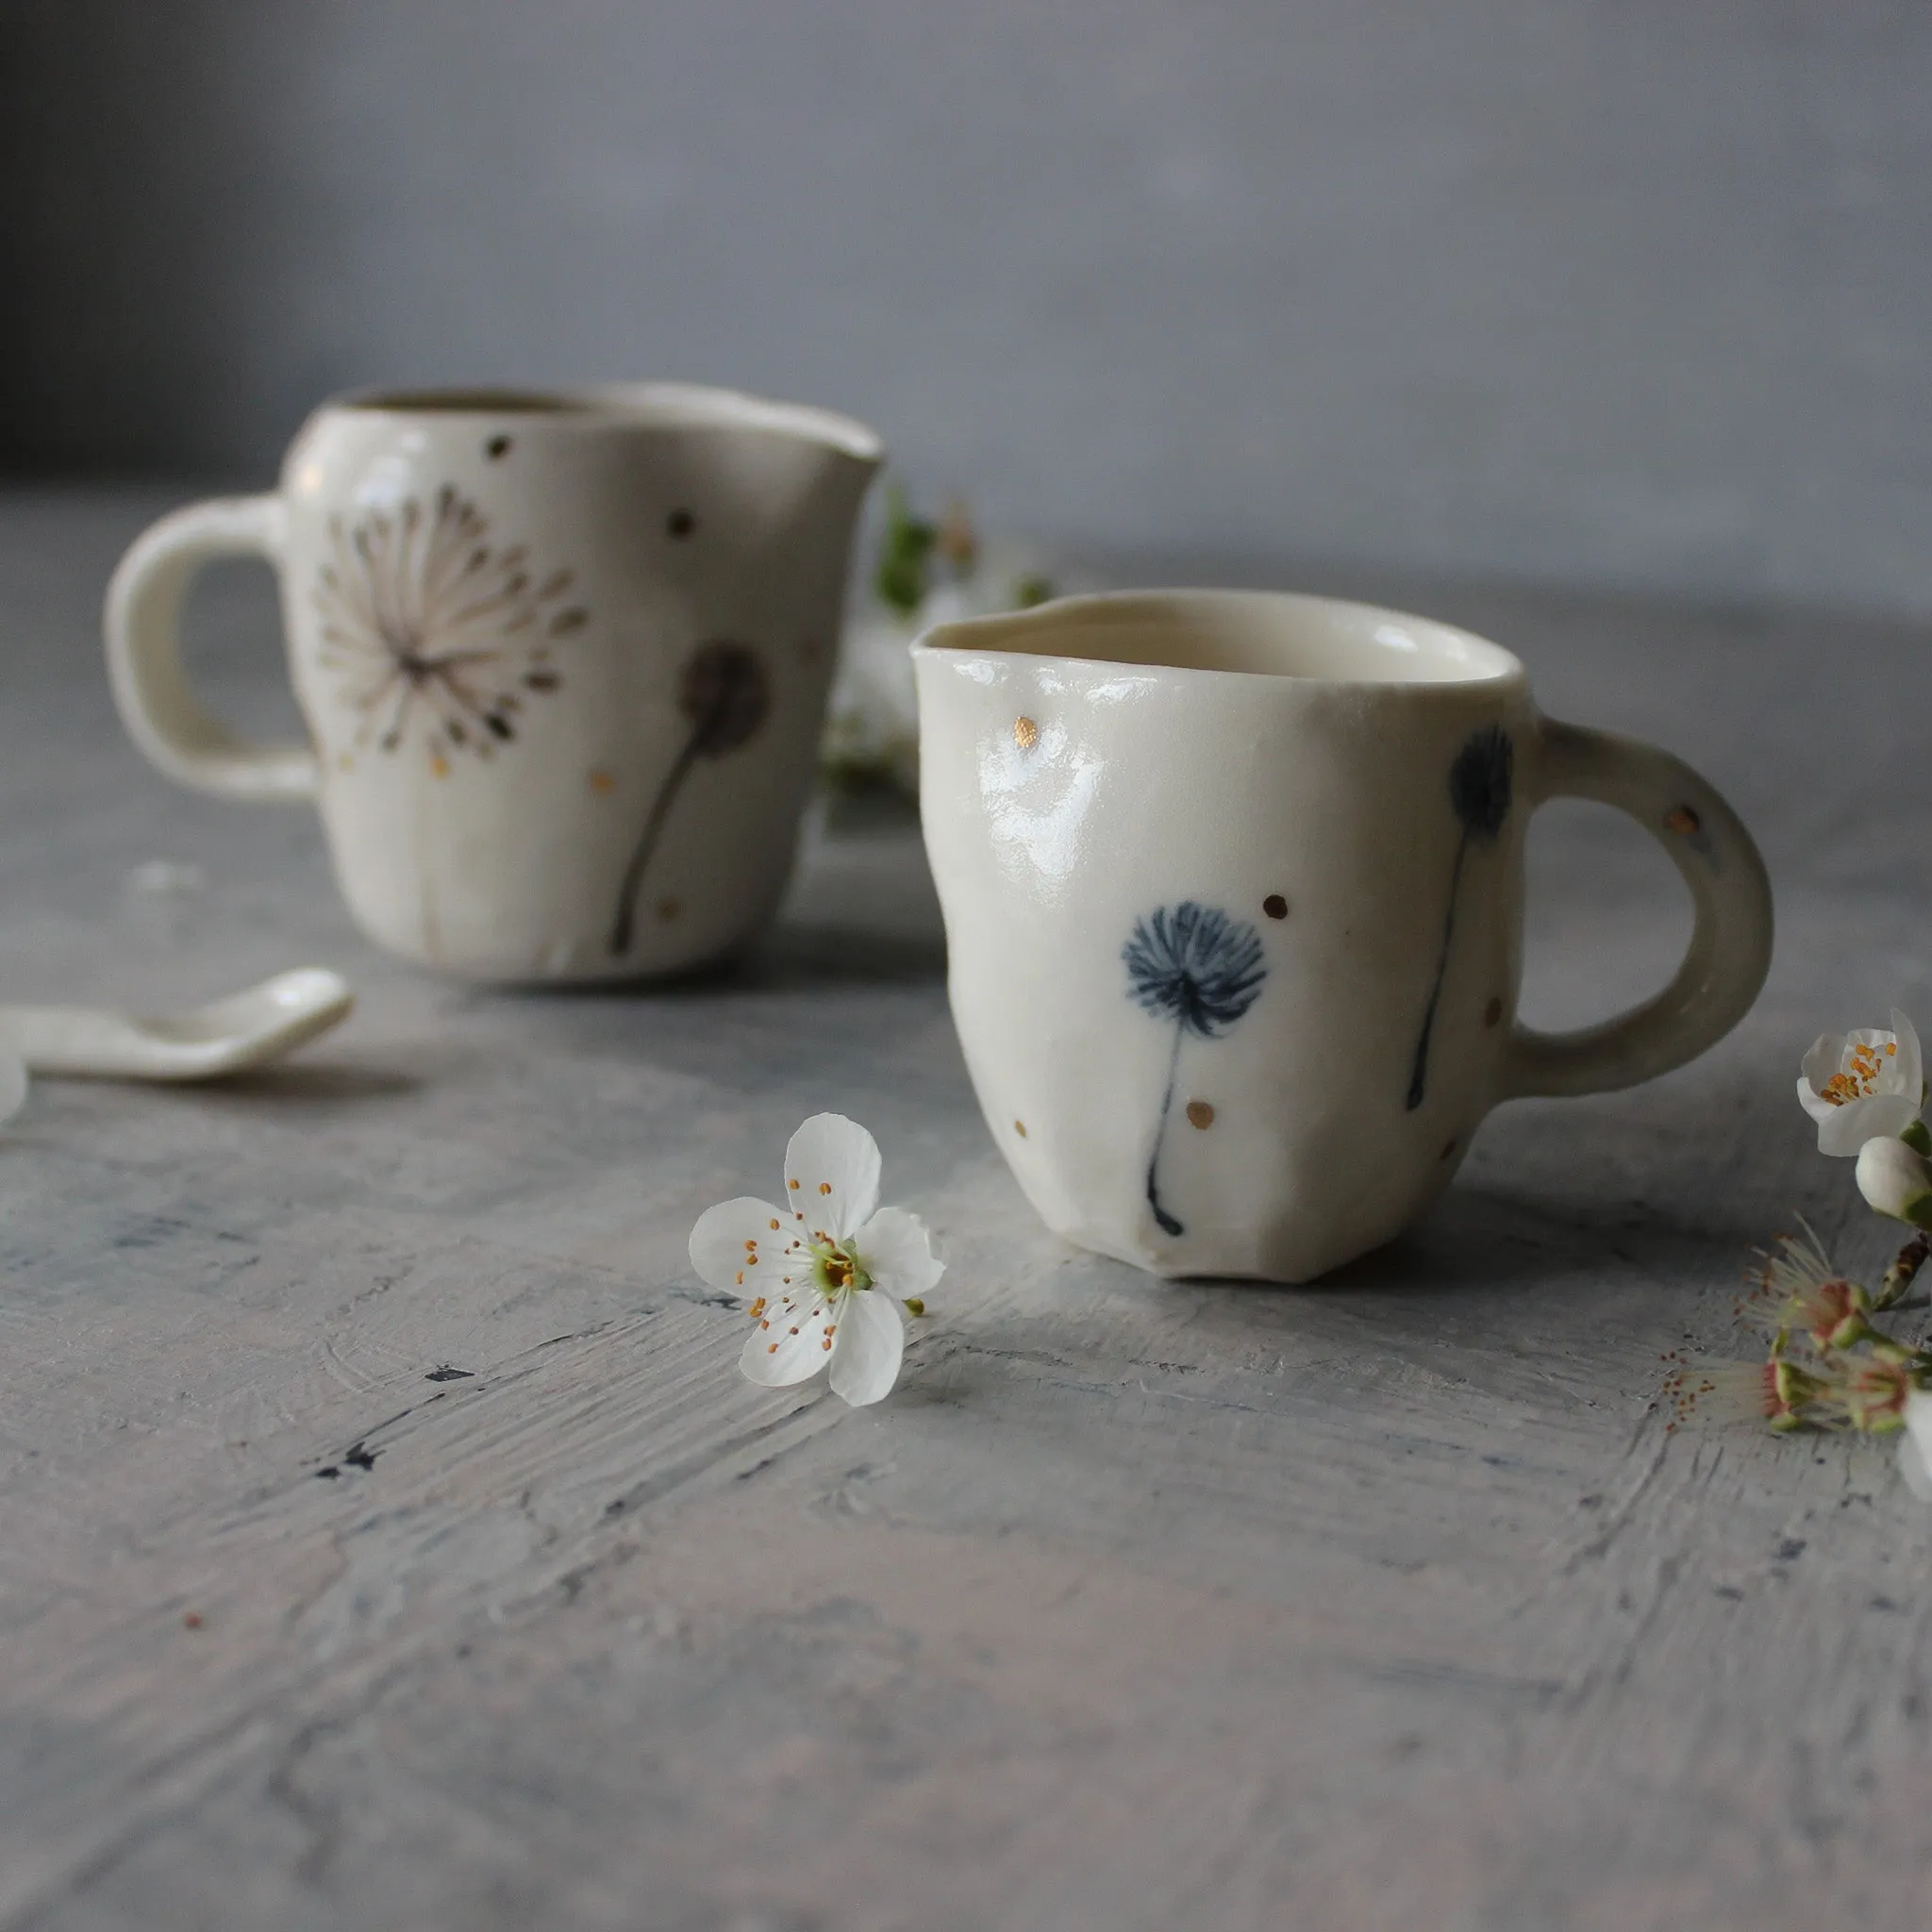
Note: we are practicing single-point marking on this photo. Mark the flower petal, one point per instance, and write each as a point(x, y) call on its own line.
point(739, 1245)
point(867, 1349)
point(1825, 1059)
point(832, 1173)
point(788, 1342)
point(1918, 1437)
point(1911, 1465)
point(1813, 1102)
point(1909, 1066)
point(1858, 1121)
point(12, 1084)
point(894, 1248)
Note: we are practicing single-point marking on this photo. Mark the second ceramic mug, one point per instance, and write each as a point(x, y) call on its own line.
point(1233, 891)
point(563, 660)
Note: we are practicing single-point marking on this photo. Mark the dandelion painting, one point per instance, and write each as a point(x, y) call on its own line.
point(1480, 784)
point(1200, 970)
point(434, 631)
point(724, 697)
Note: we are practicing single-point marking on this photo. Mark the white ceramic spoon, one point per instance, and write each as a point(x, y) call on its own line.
point(226, 1036)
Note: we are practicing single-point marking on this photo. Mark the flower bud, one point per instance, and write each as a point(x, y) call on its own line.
point(1895, 1180)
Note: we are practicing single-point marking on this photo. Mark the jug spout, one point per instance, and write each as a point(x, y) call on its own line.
point(794, 477)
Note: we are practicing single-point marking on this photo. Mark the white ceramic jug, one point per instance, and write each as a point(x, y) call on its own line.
point(563, 660)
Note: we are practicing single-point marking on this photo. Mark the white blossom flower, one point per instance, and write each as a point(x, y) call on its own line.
point(828, 1270)
point(1896, 1181)
point(1915, 1445)
point(1860, 1086)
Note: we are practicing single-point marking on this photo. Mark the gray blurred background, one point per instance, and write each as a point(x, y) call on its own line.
point(1624, 292)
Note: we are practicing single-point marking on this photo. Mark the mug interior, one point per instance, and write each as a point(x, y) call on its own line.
point(633, 406)
point(1271, 633)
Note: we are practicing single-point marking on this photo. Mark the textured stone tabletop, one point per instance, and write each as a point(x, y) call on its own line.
point(387, 1539)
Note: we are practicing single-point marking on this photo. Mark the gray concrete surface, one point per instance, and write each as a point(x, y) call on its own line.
point(1619, 292)
point(1137, 1606)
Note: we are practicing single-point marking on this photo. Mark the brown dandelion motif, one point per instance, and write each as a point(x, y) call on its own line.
point(724, 695)
point(435, 631)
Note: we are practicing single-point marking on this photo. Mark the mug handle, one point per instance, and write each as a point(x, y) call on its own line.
point(143, 631)
point(1729, 953)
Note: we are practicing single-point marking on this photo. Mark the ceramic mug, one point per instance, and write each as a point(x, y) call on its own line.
point(563, 660)
point(1233, 891)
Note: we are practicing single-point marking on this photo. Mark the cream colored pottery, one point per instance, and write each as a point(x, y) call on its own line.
point(1233, 890)
point(232, 1035)
point(563, 660)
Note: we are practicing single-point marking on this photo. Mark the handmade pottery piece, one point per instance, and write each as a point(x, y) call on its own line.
point(1233, 891)
point(233, 1035)
point(563, 658)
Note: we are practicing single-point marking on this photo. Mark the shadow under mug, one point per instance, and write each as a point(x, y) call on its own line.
point(1233, 890)
point(563, 658)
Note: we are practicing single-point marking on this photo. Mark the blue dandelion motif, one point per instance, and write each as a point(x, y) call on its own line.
point(1200, 969)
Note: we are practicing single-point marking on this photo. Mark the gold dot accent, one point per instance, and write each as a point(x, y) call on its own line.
point(602, 782)
point(670, 909)
point(1200, 1114)
point(1274, 906)
point(1025, 733)
point(1494, 1011)
point(1683, 822)
point(1020, 1128)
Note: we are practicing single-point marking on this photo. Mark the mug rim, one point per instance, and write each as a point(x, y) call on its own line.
point(642, 406)
point(976, 637)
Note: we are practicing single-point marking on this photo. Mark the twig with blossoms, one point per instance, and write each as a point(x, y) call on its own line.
point(1828, 1364)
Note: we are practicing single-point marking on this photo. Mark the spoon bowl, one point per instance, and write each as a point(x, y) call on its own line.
point(226, 1036)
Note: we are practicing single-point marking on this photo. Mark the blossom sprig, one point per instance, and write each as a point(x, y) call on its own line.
point(825, 1274)
point(1831, 1363)
point(1828, 1364)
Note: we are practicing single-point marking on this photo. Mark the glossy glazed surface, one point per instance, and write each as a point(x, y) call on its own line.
point(563, 660)
point(1233, 888)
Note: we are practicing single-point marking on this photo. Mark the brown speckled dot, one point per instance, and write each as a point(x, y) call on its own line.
point(1448, 1147)
point(1025, 733)
point(1200, 1114)
point(669, 908)
point(1274, 906)
point(1493, 1013)
point(680, 523)
point(496, 448)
